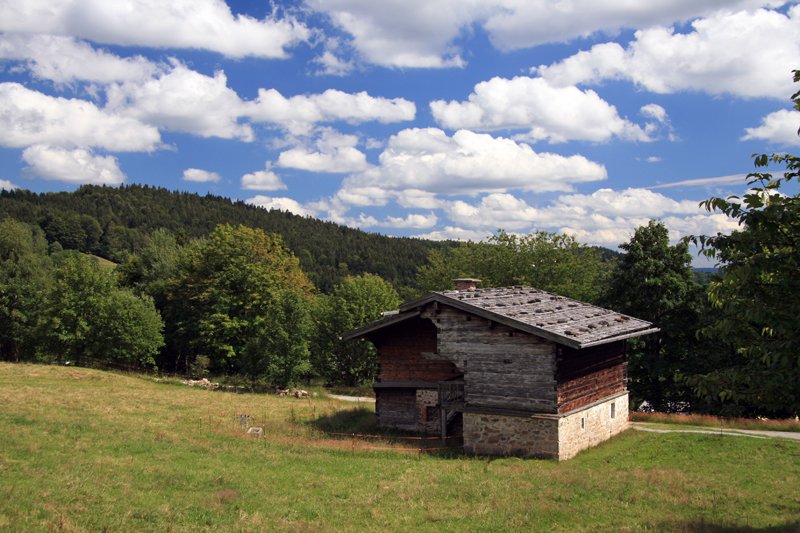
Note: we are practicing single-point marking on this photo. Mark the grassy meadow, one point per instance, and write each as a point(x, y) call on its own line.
point(85, 450)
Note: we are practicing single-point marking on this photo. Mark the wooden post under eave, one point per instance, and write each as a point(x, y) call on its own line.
point(443, 413)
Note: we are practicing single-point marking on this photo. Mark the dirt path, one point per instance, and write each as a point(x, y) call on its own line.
point(356, 399)
point(755, 433)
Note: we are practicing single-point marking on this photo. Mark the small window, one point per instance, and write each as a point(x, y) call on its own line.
point(583, 423)
point(613, 409)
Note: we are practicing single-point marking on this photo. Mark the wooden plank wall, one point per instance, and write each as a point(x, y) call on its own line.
point(588, 375)
point(503, 368)
point(400, 350)
point(397, 408)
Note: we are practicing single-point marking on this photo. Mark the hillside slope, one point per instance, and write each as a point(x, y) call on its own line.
point(113, 222)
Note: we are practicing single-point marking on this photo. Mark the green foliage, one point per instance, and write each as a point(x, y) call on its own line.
point(240, 299)
point(546, 261)
point(654, 281)
point(758, 295)
point(24, 278)
point(85, 315)
point(128, 215)
point(356, 301)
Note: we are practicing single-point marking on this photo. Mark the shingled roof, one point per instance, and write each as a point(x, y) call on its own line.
point(557, 318)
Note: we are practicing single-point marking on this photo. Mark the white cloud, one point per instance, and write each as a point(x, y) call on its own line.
point(747, 54)
point(453, 233)
point(65, 60)
point(407, 34)
point(262, 180)
point(298, 113)
point(492, 212)
point(184, 100)
point(422, 33)
point(331, 61)
point(653, 159)
point(73, 166)
point(29, 117)
point(7, 185)
point(199, 24)
point(733, 179)
point(200, 176)
point(780, 127)
point(605, 217)
point(557, 114)
point(332, 152)
point(632, 202)
point(282, 204)
point(525, 23)
point(412, 220)
point(429, 160)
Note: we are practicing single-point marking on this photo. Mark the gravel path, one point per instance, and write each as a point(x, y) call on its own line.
point(755, 433)
point(356, 399)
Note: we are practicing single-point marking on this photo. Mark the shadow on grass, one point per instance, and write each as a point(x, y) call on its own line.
point(361, 423)
point(702, 526)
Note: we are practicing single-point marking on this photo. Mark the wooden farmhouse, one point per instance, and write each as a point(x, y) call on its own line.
point(512, 370)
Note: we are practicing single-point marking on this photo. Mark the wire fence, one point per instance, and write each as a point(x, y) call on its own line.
point(300, 425)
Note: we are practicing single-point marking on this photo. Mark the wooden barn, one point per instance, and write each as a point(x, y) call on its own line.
point(513, 370)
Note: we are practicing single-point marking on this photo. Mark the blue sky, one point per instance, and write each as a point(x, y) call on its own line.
point(434, 118)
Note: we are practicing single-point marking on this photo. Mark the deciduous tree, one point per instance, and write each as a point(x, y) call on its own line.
point(356, 301)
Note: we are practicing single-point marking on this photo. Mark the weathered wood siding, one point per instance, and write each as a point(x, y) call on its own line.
point(588, 375)
point(400, 350)
point(397, 408)
point(503, 368)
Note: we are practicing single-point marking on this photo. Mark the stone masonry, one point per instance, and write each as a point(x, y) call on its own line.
point(554, 436)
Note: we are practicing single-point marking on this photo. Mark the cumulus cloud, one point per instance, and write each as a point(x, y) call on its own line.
point(281, 204)
point(454, 233)
point(73, 166)
point(557, 114)
point(298, 113)
point(413, 220)
point(7, 185)
point(780, 127)
point(423, 33)
point(747, 54)
point(429, 160)
point(605, 217)
point(411, 34)
point(199, 24)
point(262, 180)
point(65, 60)
point(29, 117)
point(200, 176)
point(332, 152)
point(183, 100)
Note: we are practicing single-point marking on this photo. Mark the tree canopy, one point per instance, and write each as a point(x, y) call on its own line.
point(654, 281)
point(548, 261)
point(758, 293)
point(240, 298)
point(355, 301)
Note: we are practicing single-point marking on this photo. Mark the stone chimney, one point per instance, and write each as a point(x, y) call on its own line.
point(466, 284)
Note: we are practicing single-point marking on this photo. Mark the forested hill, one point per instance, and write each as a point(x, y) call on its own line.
point(113, 222)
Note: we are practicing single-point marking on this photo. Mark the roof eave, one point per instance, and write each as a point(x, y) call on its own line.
point(624, 336)
point(378, 324)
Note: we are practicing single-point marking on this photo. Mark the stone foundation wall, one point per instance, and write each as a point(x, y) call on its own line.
point(545, 436)
point(428, 413)
point(510, 435)
point(597, 426)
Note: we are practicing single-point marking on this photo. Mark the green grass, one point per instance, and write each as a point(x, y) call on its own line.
point(85, 450)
